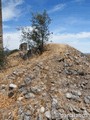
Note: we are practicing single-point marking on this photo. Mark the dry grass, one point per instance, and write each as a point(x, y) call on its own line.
point(15, 62)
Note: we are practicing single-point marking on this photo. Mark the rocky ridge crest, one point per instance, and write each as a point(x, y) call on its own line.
point(52, 86)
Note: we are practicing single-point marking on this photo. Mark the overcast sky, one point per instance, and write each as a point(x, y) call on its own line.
point(70, 21)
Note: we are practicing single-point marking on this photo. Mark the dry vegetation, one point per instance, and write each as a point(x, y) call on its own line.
point(49, 74)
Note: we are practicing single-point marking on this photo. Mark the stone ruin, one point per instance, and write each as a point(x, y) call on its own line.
point(23, 50)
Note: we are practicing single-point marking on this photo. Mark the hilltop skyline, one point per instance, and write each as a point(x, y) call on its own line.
point(70, 21)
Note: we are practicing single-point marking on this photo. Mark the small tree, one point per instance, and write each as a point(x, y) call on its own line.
point(39, 34)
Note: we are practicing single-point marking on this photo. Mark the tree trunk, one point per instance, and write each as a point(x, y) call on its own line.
point(1, 38)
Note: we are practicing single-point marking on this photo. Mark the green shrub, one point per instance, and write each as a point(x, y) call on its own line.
point(2, 58)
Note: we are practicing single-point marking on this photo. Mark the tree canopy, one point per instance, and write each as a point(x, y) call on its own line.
point(39, 32)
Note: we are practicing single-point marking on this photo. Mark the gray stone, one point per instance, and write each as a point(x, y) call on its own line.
point(66, 118)
point(77, 62)
point(39, 117)
point(21, 117)
point(10, 116)
point(55, 115)
point(27, 117)
point(76, 98)
point(83, 84)
point(22, 89)
point(74, 72)
point(55, 103)
point(70, 108)
point(35, 90)
point(85, 112)
point(48, 114)
point(42, 109)
point(68, 95)
point(25, 91)
point(67, 72)
point(28, 113)
point(67, 54)
point(77, 93)
point(32, 95)
point(3, 86)
point(20, 111)
point(15, 72)
point(12, 86)
point(75, 110)
point(87, 100)
point(66, 64)
point(29, 95)
point(73, 97)
point(69, 117)
point(30, 108)
point(10, 77)
point(27, 80)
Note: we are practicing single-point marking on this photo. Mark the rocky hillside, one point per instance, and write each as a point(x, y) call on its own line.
point(52, 86)
point(88, 56)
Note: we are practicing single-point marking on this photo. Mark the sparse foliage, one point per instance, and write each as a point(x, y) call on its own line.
point(2, 58)
point(40, 33)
